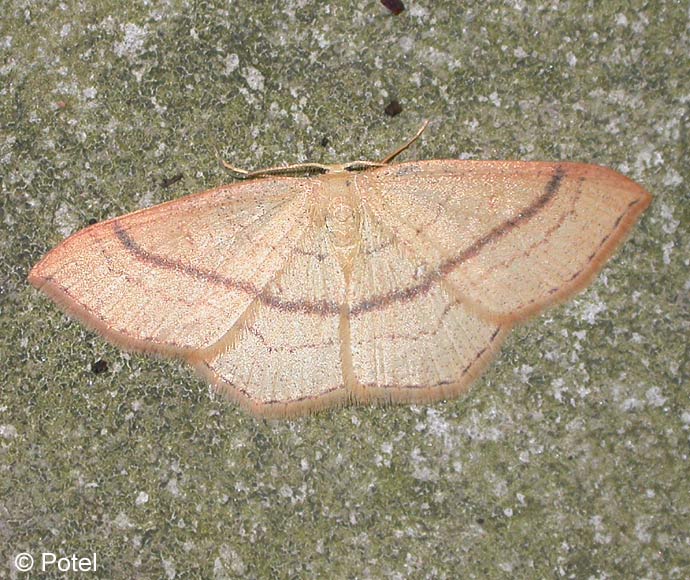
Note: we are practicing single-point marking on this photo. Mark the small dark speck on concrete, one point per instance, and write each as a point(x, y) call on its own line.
point(324, 142)
point(168, 181)
point(393, 108)
point(395, 6)
point(99, 367)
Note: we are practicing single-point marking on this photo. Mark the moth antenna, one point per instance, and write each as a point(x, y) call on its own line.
point(282, 170)
point(398, 151)
point(241, 173)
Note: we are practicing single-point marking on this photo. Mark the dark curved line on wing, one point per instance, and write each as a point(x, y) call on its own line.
point(451, 264)
point(320, 307)
point(328, 308)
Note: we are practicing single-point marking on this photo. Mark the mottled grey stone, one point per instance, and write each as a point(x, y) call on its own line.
point(568, 459)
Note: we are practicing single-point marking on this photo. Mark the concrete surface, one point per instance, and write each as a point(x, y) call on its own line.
point(568, 459)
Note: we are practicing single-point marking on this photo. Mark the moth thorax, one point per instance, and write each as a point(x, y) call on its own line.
point(343, 222)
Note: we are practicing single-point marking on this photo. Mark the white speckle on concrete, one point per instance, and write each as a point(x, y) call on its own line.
point(557, 389)
point(472, 124)
point(440, 58)
point(299, 117)
point(519, 52)
point(219, 569)
point(648, 157)
point(65, 220)
point(169, 567)
point(122, 522)
point(506, 567)
point(172, 487)
point(254, 78)
point(500, 488)
point(406, 44)
point(642, 533)
point(146, 200)
point(631, 404)
point(592, 309)
point(8, 431)
point(418, 11)
point(439, 427)
point(667, 249)
point(322, 38)
point(133, 42)
point(654, 397)
point(670, 224)
point(160, 109)
point(231, 62)
point(420, 470)
point(525, 372)
point(581, 335)
point(599, 536)
point(685, 419)
point(228, 558)
point(672, 178)
point(641, 24)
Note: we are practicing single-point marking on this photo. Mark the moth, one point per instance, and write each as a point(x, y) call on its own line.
point(359, 282)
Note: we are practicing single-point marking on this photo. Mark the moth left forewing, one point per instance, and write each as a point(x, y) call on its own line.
point(175, 277)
